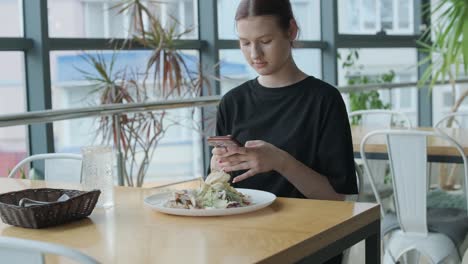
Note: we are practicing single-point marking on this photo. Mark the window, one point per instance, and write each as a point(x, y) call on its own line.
point(399, 63)
point(101, 18)
point(184, 12)
point(443, 100)
point(307, 14)
point(11, 18)
point(386, 12)
point(371, 16)
point(404, 11)
point(179, 152)
point(234, 70)
point(13, 140)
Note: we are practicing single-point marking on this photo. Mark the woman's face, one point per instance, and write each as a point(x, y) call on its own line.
point(266, 46)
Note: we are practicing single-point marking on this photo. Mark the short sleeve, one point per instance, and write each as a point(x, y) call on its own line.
point(221, 126)
point(335, 147)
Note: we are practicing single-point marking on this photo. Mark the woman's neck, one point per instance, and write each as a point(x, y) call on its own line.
point(286, 75)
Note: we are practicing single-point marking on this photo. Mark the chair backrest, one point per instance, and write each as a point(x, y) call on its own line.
point(15, 250)
point(360, 181)
point(382, 118)
point(65, 167)
point(457, 119)
point(407, 151)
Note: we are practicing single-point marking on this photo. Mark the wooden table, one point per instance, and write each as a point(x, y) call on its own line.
point(438, 150)
point(289, 230)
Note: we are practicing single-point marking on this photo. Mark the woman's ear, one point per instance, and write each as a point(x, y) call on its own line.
point(293, 30)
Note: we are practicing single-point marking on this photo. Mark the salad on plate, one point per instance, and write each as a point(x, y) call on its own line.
point(215, 193)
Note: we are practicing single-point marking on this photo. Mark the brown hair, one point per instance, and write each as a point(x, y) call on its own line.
point(281, 9)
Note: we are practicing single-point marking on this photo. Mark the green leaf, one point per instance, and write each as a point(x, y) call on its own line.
point(465, 39)
point(450, 30)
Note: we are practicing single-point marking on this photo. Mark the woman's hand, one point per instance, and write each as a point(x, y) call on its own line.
point(216, 157)
point(256, 157)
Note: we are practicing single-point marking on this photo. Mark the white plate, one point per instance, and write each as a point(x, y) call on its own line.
point(260, 199)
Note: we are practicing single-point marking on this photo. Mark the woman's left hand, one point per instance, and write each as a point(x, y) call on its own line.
point(256, 156)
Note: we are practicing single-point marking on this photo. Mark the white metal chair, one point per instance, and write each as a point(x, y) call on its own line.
point(379, 119)
point(65, 167)
point(457, 119)
point(382, 118)
point(15, 250)
point(447, 174)
point(465, 258)
point(433, 233)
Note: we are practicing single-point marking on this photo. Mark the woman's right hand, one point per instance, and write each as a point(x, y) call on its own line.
point(217, 152)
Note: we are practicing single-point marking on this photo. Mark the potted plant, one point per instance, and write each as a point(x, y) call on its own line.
point(165, 76)
point(363, 100)
point(446, 44)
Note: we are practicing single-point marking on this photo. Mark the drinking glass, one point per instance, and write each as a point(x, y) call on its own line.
point(98, 172)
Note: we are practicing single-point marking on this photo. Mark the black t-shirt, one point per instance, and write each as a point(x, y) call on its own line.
point(307, 119)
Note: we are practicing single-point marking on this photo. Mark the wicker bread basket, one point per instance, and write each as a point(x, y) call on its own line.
point(78, 206)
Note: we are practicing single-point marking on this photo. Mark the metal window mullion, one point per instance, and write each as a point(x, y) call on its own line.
point(374, 41)
point(37, 69)
point(424, 94)
point(110, 44)
point(329, 31)
point(209, 57)
point(15, 44)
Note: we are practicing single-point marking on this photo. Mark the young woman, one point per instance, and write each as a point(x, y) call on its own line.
point(294, 128)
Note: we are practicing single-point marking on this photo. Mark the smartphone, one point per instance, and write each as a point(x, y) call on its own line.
point(223, 141)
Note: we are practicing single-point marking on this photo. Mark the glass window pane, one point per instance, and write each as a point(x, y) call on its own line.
point(226, 19)
point(11, 18)
point(371, 16)
point(379, 65)
point(13, 140)
point(386, 10)
point(404, 14)
point(102, 19)
point(234, 70)
point(443, 99)
point(307, 14)
point(309, 61)
point(178, 154)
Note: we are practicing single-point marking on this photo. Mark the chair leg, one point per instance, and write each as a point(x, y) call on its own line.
point(412, 257)
point(388, 259)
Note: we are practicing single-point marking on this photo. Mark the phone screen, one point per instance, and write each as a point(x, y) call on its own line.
point(223, 141)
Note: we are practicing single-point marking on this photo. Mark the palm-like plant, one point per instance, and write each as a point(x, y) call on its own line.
point(166, 75)
point(446, 43)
